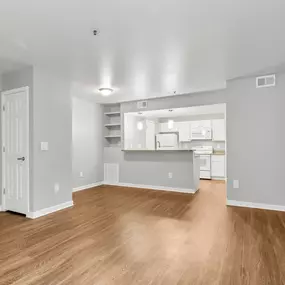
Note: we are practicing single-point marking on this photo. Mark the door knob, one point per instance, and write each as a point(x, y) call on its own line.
point(21, 158)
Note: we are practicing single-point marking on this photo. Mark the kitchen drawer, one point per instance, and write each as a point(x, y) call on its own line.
point(218, 158)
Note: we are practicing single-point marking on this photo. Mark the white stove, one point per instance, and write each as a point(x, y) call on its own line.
point(204, 154)
point(202, 150)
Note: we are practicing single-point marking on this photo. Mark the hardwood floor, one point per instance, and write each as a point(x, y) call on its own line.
point(127, 236)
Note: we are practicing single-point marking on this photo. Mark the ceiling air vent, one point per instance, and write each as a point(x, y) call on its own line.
point(142, 104)
point(265, 81)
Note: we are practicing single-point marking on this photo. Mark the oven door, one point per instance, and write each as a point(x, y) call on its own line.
point(205, 162)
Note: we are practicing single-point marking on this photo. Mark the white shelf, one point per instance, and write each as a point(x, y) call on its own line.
point(112, 113)
point(113, 125)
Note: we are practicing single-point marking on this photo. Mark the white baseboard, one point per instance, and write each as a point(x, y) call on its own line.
point(219, 178)
point(0, 208)
point(255, 205)
point(151, 187)
point(46, 211)
point(80, 188)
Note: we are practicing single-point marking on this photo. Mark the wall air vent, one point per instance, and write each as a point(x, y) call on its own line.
point(265, 81)
point(142, 104)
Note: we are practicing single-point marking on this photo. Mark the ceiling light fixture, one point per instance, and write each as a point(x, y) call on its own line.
point(170, 124)
point(140, 126)
point(106, 91)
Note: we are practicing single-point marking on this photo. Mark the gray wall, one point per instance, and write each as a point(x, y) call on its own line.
point(50, 121)
point(87, 142)
point(153, 168)
point(0, 140)
point(255, 141)
point(18, 79)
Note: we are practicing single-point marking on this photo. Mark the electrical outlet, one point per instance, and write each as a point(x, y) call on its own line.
point(56, 187)
point(81, 174)
point(236, 184)
point(170, 175)
point(44, 146)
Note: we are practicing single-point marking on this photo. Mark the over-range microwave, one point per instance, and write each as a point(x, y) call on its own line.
point(201, 133)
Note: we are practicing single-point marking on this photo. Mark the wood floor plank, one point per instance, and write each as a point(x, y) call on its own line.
point(117, 235)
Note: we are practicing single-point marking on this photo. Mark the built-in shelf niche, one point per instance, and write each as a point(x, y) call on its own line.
point(112, 125)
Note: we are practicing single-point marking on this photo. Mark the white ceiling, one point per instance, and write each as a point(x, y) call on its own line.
point(145, 48)
point(182, 112)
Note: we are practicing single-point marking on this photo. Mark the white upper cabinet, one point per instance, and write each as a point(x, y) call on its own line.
point(219, 132)
point(165, 127)
point(201, 124)
point(184, 131)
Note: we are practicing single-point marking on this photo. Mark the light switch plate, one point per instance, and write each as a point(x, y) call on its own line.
point(44, 146)
point(56, 187)
point(236, 184)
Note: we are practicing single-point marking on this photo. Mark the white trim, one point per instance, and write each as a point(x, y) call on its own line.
point(1, 208)
point(92, 185)
point(25, 89)
point(151, 187)
point(219, 178)
point(255, 205)
point(47, 211)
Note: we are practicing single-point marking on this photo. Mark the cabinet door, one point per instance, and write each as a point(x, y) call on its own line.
point(201, 124)
point(219, 133)
point(195, 124)
point(206, 124)
point(184, 131)
point(218, 166)
point(163, 127)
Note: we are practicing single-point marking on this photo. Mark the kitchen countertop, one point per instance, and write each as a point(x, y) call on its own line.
point(219, 152)
point(156, 150)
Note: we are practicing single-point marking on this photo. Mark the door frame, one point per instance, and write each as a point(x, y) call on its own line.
point(25, 89)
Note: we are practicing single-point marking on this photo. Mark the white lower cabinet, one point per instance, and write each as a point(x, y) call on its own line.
point(218, 166)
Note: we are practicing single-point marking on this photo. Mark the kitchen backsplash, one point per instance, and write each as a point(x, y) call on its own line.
point(215, 145)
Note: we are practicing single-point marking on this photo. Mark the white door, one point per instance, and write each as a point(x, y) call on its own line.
point(15, 140)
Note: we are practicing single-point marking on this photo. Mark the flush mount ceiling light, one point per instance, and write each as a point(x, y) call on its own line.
point(140, 126)
point(170, 124)
point(106, 91)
